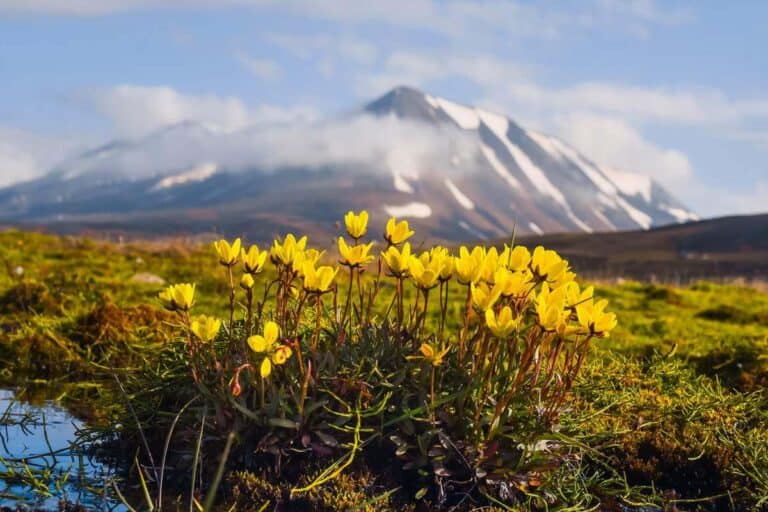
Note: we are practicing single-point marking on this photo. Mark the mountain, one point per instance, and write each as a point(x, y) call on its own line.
point(457, 172)
point(726, 247)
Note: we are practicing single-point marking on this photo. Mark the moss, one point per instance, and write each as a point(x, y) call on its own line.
point(666, 427)
point(727, 313)
point(109, 324)
point(28, 296)
point(354, 491)
point(674, 400)
point(662, 293)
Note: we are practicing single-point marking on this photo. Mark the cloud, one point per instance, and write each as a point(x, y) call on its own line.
point(613, 141)
point(325, 50)
point(512, 86)
point(265, 69)
point(136, 110)
point(418, 69)
point(696, 106)
point(25, 156)
point(362, 144)
point(721, 201)
point(451, 19)
point(17, 163)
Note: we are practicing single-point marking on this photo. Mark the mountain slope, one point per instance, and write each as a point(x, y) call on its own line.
point(735, 246)
point(458, 172)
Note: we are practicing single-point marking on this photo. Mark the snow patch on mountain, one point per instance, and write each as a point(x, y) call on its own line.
point(680, 214)
point(497, 166)
point(547, 144)
point(601, 215)
point(630, 183)
point(593, 173)
point(535, 228)
point(472, 231)
point(414, 210)
point(462, 199)
point(400, 184)
point(196, 174)
point(465, 117)
point(499, 125)
point(643, 219)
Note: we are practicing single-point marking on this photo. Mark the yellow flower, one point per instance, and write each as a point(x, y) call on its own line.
point(357, 225)
point(281, 354)
point(397, 260)
point(228, 254)
point(267, 344)
point(309, 256)
point(575, 296)
point(513, 284)
point(283, 253)
point(166, 297)
point(489, 265)
point(502, 325)
point(265, 370)
point(246, 282)
point(432, 354)
point(485, 297)
point(550, 308)
point(548, 265)
point(354, 256)
point(593, 318)
point(562, 279)
point(206, 328)
point(445, 262)
point(515, 259)
point(424, 272)
point(264, 343)
point(318, 280)
point(468, 266)
point(178, 297)
point(397, 232)
point(253, 259)
point(551, 317)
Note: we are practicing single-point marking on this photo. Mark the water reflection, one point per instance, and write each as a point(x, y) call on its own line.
point(42, 461)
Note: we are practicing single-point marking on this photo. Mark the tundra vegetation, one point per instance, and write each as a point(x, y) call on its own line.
point(376, 374)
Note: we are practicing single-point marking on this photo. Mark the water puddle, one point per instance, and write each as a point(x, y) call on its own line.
point(44, 461)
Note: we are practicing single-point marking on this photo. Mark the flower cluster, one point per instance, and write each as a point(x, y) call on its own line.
point(524, 322)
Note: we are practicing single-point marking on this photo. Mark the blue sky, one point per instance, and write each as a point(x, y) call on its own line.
point(677, 90)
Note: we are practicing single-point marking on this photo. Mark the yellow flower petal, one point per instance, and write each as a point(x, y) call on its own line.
point(257, 343)
point(266, 368)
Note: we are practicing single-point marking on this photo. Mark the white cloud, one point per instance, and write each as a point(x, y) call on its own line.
point(25, 156)
point(720, 200)
point(136, 110)
point(613, 141)
point(415, 68)
point(671, 105)
point(362, 144)
point(265, 69)
point(455, 18)
point(16, 163)
point(325, 49)
point(512, 86)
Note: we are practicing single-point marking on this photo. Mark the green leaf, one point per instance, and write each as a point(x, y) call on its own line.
point(327, 439)
point(283, 423)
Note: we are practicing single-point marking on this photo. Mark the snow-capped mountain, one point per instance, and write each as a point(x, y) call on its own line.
point(458, 172)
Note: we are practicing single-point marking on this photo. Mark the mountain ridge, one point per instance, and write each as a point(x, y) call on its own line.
point(456, 171)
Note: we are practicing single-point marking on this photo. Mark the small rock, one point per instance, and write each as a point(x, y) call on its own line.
point(147, 278)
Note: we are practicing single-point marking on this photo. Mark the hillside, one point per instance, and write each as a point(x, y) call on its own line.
point(734, 246)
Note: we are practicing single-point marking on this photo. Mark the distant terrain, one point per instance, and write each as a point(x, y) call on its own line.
point(456, 172)
point(727, 247)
